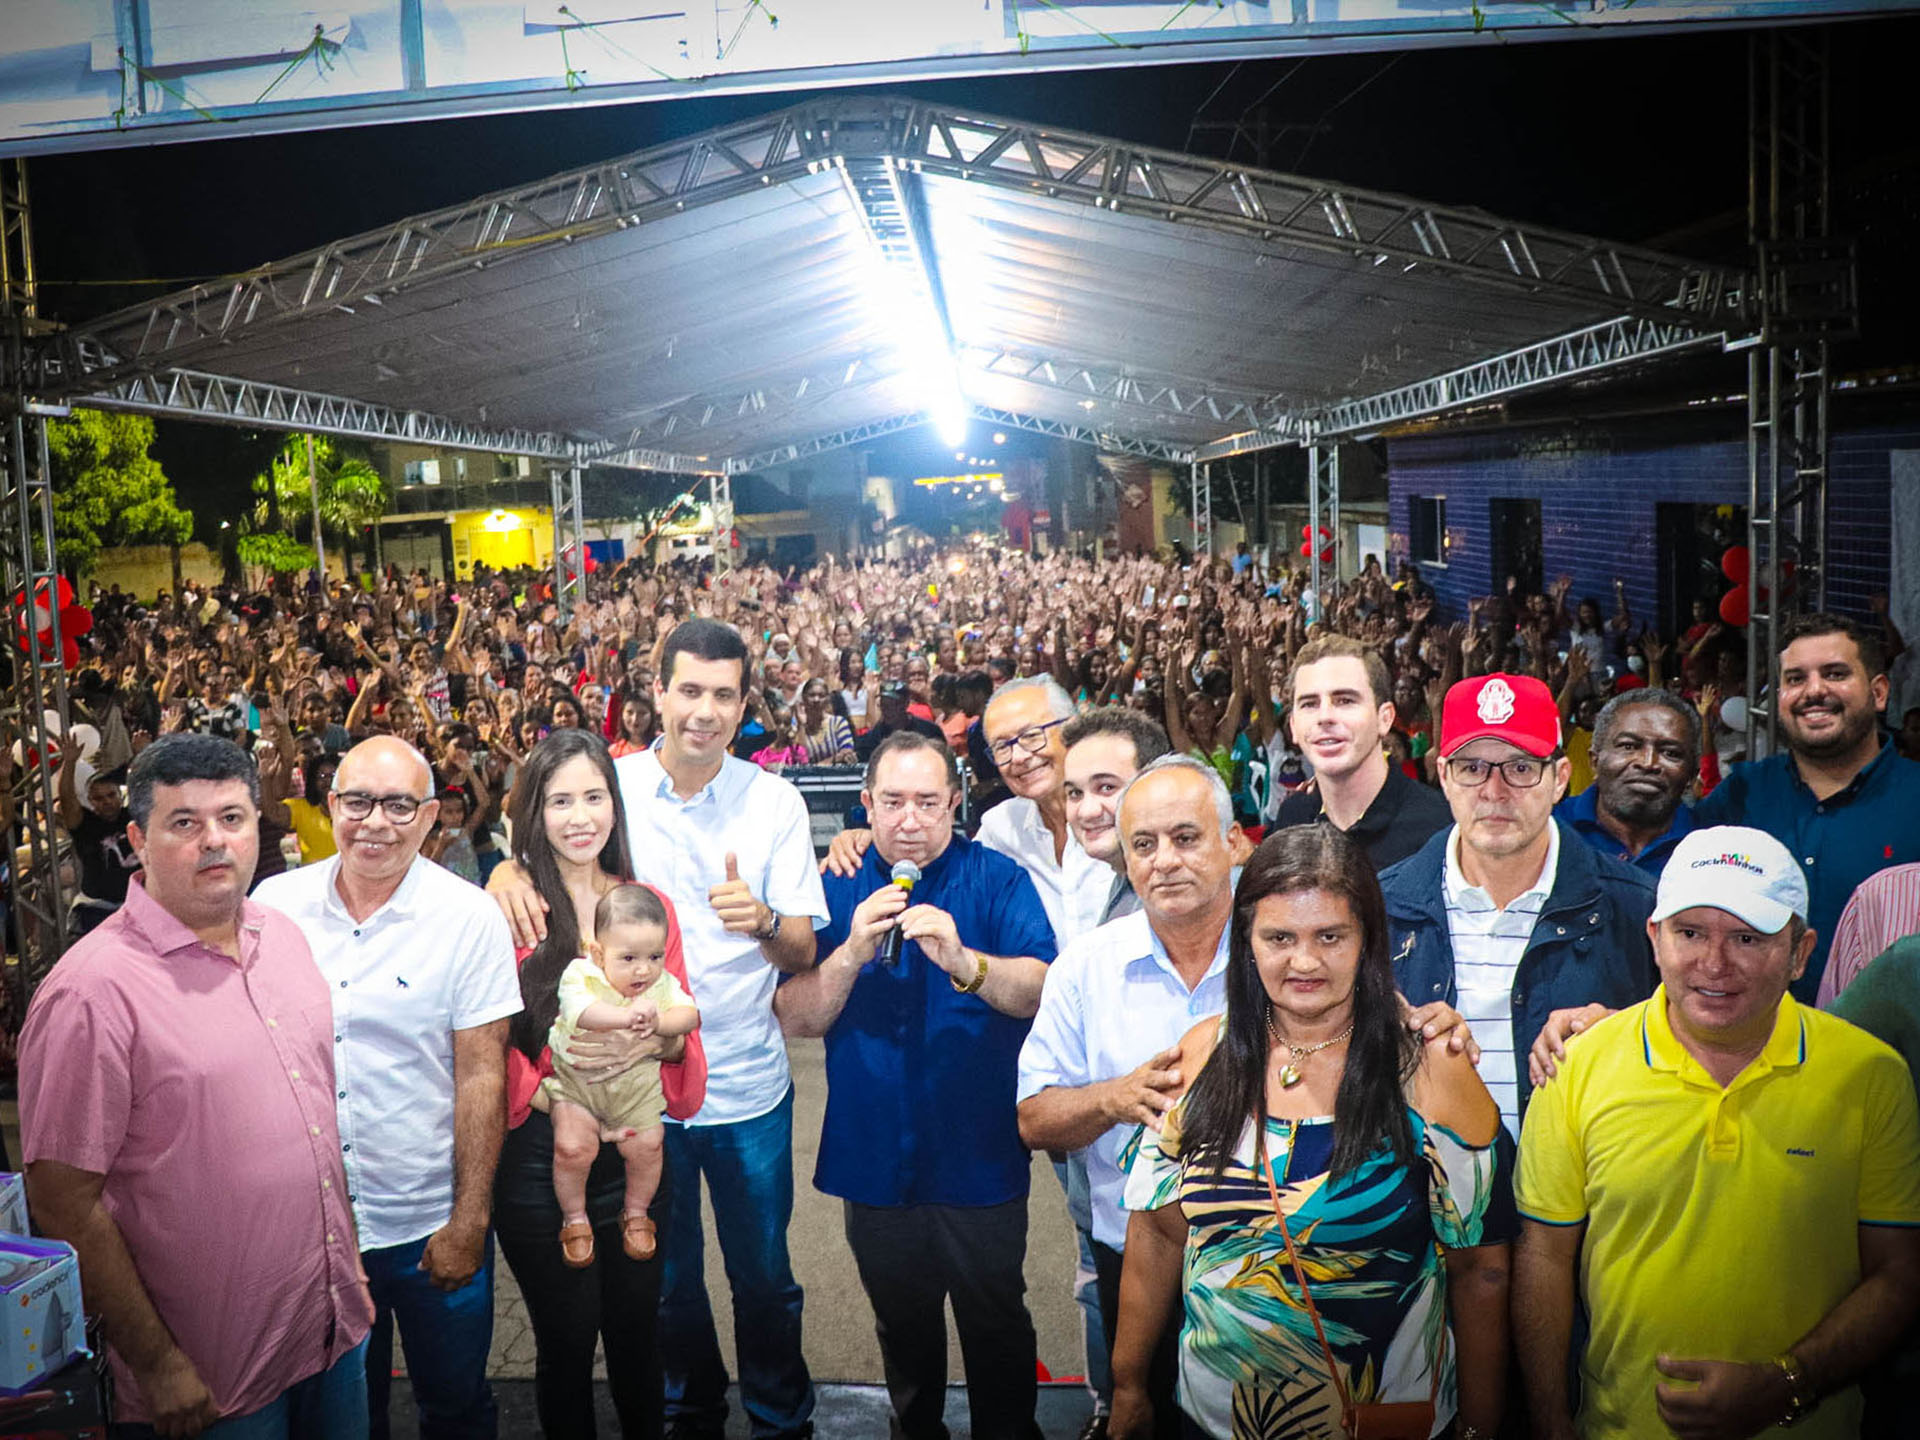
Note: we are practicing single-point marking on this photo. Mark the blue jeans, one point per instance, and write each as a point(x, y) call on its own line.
point(329, 1406)
point(446, 1334)
point(749, 1173)
point(1072, 1173)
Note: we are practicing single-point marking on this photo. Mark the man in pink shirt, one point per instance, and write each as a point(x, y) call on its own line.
point(177, 1118)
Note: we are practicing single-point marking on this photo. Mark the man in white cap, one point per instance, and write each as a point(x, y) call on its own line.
point(1728, 1179)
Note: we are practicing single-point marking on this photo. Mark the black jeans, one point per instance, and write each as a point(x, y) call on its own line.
point(1168, 1421)
point(615, 1299)
point(912, 1260)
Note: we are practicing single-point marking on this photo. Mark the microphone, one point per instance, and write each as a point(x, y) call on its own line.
point(905, 874)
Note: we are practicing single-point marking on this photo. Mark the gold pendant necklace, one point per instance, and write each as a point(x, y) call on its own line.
point(1290, 1072)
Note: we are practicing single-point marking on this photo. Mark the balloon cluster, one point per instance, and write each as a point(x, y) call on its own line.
point(1736, 606)
point(33, 622)
point(1326, 543)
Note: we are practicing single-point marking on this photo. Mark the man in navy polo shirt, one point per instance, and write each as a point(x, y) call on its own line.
point(1646, 753)
point(1841, 800)
point(920, 1138)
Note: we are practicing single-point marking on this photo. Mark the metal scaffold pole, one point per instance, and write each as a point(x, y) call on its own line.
point(720, 502)
point(1806, 297)
point(1323, 501)
point(569, 542)
point(30, 576)
point(1201, 477)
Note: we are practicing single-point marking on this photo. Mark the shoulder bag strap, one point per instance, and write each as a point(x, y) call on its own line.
point(1306, 1292)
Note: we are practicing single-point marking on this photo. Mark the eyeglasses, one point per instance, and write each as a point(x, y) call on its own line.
point(900, 804)
point(1522, 773)
point(358, 805)
point(1033, 740)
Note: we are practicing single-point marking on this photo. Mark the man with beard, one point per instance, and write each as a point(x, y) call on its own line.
point(1840, 799)
point(1646, 752)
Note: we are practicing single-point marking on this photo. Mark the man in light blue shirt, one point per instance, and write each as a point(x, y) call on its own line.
point(1100, 1057)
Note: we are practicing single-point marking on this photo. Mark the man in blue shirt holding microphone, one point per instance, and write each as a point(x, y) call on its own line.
point(923, 1040)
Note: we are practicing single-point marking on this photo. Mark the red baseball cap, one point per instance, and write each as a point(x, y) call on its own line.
point(1515, 708)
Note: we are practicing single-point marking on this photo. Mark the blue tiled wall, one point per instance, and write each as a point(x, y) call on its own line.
point(1597, 493)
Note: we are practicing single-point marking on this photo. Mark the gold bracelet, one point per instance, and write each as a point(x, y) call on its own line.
point(1788, 1364)
point(979, 976)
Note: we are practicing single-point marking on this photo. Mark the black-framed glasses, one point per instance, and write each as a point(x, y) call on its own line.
point(1523, 772)
point(1033, 740)
point(358, 805)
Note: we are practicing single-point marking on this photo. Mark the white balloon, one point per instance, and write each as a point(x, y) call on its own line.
point(87, 738)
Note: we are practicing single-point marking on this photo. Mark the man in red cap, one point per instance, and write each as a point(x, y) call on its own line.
point(1506, 914)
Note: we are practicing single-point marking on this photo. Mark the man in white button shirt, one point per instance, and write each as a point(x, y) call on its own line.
point(420, 967)
point(731, 845)
point(1023, 726)
point(1099, 1059)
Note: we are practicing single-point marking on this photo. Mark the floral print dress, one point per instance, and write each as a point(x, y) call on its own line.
point(1371, 1242)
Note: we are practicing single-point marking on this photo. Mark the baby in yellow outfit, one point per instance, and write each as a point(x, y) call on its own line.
point(622, 984)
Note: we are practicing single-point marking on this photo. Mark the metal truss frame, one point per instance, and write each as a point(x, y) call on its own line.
point(784, 395)
point(1291, 210)
point(1200, 477)
point(29, 567)
point(192, 395)
point(1094, 382)
point(1808, 297)
point(1621, 341)
point(1323, 498)
point(820, 444)
point(1100, 439)
point(569, 536)
point(720, 501)
point(133, 360)
point(366, 270)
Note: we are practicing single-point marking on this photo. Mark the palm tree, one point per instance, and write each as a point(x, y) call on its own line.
point(352, 494)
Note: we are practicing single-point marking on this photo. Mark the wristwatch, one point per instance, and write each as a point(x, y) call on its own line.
point(772, 930)
point(979, 976)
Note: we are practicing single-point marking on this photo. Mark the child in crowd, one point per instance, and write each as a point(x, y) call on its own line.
point(623, 985)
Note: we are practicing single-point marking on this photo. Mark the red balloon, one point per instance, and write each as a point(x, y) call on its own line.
point(1734, 607)
point(1306, 548)
point(1326, 556)
point(1736, 565)
point(1306, 532)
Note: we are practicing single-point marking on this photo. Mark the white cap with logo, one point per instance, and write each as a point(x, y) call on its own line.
point(1734, 868)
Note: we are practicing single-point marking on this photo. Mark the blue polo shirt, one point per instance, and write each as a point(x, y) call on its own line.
point(1871, 824)
point(920, 1078)
point(1581, 814)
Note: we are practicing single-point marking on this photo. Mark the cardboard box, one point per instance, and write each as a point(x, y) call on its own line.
point(13, 1204)
point(42, 1324)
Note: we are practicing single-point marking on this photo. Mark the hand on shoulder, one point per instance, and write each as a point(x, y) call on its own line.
point(1448, 1091)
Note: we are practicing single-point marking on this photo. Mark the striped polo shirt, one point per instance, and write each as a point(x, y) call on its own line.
point(1488, 945)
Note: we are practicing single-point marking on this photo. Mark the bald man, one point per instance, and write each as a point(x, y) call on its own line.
point(421, 972)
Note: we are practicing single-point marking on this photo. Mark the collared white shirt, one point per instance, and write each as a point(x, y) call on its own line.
point(681, 847)
point(1113, 1001)
point(436, 958)
point(1488, 945)
point(1073, 889)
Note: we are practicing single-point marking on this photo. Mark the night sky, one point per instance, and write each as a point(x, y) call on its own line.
point(1640, 139)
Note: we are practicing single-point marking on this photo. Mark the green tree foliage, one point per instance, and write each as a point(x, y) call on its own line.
point(272, 551)
point(353, 495)
point(108, 490)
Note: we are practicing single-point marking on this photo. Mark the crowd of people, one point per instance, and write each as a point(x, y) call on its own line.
point(1421, 1012)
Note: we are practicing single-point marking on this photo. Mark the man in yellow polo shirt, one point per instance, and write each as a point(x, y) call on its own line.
point(1744, 1172)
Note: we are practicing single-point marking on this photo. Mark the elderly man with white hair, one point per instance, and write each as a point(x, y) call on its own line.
point(420, 968)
